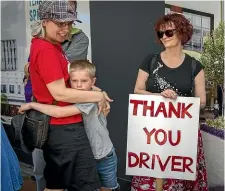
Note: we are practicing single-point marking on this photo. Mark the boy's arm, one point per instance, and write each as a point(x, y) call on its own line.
point(51, 110)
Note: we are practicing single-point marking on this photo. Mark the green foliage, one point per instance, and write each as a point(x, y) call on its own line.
point(213, 55)
point(217, 123)
point(4, 99)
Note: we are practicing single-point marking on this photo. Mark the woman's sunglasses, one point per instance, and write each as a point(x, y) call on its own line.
point(168, 33)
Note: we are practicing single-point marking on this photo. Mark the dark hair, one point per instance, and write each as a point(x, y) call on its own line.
point(182, 25)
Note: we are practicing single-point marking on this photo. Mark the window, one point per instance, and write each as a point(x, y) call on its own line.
point(18, 89)
point(3, 89)
point(11, 89)
point(202, 25)
point(8, 55)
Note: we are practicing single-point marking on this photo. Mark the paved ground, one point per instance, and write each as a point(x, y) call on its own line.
point(29, 184)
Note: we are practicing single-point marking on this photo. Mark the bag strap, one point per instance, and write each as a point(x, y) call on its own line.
point(152, 64)
point(153, 61)
point(193, 68)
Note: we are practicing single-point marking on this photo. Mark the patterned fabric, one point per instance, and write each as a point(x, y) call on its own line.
point(11, 179)
point(56, 10)
point(200, 184)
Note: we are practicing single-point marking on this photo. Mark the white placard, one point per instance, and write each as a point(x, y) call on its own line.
point(162, 137)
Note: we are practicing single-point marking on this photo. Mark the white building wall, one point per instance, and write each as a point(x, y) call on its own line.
point(212, 7)
point(13, 26)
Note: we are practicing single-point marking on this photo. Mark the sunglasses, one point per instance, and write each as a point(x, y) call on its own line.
point(63, 24)
point(168, 33)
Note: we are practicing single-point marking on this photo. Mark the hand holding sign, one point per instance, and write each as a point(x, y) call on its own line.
point(159, 134)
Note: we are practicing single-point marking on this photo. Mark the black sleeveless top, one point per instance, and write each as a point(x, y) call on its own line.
point(179, 79)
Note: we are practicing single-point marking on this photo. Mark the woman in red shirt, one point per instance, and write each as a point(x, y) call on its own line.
point(69, 160)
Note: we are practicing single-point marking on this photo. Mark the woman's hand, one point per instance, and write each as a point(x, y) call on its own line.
point(169, 94)
point(104, 104)
point(108, 99)
point(101, 103)
point(24, 107)
point(106, 109)
point(105, 94)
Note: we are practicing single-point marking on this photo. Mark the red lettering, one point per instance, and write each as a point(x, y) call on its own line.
point(178, 138)
point(153, 162)
point(174, 111)
point(136, 103)
point(142, 160)
point(164, 137)
point(176, 163)
point(187, 162)
point(164, 140)
point(149, 134)
point(130, 155)
point(163, 166)
point(180, 111)
point(148, 107)
point(161, 108)
point(184, 110)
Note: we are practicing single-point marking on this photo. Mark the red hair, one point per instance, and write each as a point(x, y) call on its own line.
point(182, 25)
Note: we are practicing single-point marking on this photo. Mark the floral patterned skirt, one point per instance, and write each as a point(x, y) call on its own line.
point(143, 183)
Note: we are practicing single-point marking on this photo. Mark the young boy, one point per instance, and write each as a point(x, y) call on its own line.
point(82, 77)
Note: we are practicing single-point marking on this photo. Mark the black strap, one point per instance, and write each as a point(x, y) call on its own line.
point(153, 61)
point(152, 64)
point(193, 68)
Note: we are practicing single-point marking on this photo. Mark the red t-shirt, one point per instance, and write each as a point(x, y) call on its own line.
point(48, 64)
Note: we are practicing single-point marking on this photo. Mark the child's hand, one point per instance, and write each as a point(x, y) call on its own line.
point(24, 108)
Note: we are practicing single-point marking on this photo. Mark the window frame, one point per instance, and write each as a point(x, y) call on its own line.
point(12, 56)
point(200, 13)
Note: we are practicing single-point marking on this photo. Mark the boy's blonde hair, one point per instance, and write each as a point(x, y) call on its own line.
point(82, 65)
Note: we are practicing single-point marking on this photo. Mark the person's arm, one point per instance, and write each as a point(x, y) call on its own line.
point(95, 88)
point(60, 92)
point(200, 88)
point(140, 86)
point(48, 60)
point(106, 109)
point(78, 47)
point(51, 110)
point(143, 75)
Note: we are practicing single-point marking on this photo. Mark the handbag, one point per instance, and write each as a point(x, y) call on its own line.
point(31, 129)
point(17, 123)
point(34, 127)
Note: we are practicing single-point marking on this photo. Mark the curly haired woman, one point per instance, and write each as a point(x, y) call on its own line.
point(164, 78)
